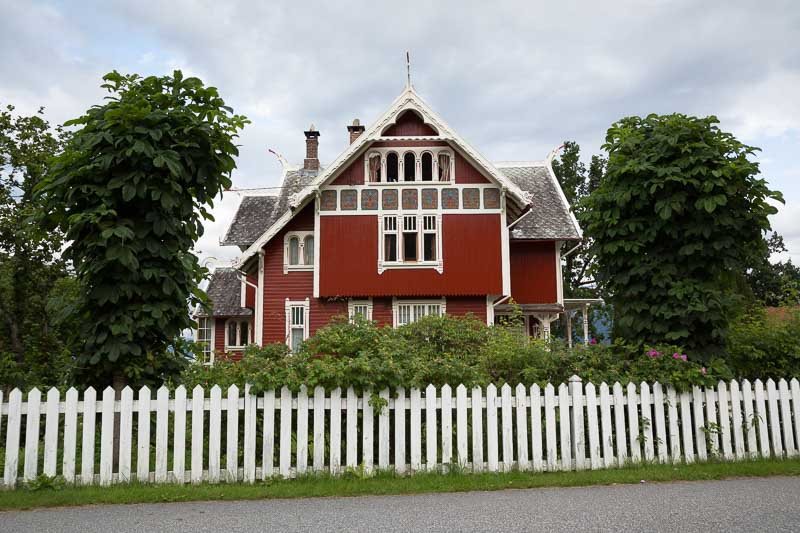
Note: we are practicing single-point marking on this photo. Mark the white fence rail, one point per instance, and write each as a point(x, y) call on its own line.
point(176, 438)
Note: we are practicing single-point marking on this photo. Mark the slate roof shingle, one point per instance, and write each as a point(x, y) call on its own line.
point(257, 213)
point(224, 290)
point(549, 217)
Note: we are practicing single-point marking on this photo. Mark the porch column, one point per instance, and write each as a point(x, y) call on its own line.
point(568, 316)
point(586, 324)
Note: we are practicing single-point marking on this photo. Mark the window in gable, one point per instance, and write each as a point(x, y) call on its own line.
point(444, 167)
point(409, 166)
point(427, 166)
point(392, 164)
point(375, 168)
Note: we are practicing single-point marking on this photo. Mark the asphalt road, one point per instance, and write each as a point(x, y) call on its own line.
point(768, 504)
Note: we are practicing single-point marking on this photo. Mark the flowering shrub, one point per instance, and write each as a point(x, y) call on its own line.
point(451, 350)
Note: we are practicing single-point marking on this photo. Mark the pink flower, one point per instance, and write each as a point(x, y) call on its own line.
point(676, 355)
point(703, 371)
point(684, 357)
point(593, 341)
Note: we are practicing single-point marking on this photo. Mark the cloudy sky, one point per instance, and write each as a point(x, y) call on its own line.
point(513, 78)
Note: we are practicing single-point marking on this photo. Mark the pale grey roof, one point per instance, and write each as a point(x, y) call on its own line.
point(225, 292)
point(549, 217)
point(257, 213)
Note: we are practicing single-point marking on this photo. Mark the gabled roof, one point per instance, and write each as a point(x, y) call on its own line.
point(408, 100)
point(225, 292)
point(549, 217)
point(256, 214)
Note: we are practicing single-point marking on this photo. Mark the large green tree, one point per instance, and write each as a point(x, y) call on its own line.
point(36, 288)
point(677, 220)
point(131, 191)
point(578, 181)
point(775, 283)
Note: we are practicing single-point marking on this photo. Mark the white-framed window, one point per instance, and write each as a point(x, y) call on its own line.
point(409, 311)
point(430, 164)
point(205, 338)
point(360, 307)
point(297, 316)
point(298, 251)
point(238, 333)
point(410, 241)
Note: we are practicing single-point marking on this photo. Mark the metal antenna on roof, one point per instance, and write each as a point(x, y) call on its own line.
point(408, 70)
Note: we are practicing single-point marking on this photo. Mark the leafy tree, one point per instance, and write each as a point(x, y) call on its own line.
point(577, 182)
point(131, 192)
point(677, 220)
point(35, 286)
point(775, 284)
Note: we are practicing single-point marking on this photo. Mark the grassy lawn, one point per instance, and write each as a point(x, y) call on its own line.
point(386, 483)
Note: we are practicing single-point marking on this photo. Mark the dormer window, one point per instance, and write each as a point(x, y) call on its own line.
point(298, 251)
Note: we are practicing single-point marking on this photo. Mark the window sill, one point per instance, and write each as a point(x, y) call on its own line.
point(421, 264)
point(299, 268)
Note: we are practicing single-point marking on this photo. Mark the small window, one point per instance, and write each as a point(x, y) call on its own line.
point(308, 250)
point(297, 326)
point(375, 168)
point(410, 238)
point(444, 167)
point(237, 334)
point(427, 167)
point(204, 338)
point(407, 313)
point(409, 167)
point(429, 249)
point(360, 308)
point(392, 167)
point(294, 251)
point(390, 239)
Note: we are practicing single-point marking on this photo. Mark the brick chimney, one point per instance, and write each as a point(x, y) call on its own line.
point(356, 129)
point(311, 162)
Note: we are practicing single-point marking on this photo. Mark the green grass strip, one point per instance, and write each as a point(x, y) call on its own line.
point(49, 494)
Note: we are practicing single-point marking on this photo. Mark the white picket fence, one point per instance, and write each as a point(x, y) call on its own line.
point(569, 427)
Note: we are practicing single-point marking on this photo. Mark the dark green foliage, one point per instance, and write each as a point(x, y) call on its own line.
point(444, 350)
point(130, 192)
point(36, 288)
point(775, 283)
point(577, 182)
point(677, 220)
point(763, 346)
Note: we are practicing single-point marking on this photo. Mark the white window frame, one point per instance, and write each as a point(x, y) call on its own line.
point(398, 306)
point(353, 304)
point(421, 220)
point(248, 341)
point(305, 305)
point(301, 240)
point(208, 344)
point(435, 151)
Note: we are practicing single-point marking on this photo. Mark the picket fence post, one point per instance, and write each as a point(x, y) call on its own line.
point(125, 434)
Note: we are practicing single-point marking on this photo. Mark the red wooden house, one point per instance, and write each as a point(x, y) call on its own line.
point(409, 220)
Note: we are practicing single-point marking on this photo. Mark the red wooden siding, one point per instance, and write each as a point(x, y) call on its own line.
point(401, 144)
point(349, 259)
point(409, 123)
point(219, 335)
point(460, 306)
point(466, 173)
point(250, 292)
point(533, 272)
point(353, 174)
point(382, 311)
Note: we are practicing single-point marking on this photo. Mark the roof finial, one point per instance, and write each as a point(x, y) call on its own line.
point(408, 70)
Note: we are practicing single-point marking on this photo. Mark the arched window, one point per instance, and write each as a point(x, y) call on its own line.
point(375, 168)
point(427, 167)
point(409, 167)
point(444, 167)
point(308, 250)
point(294, 251)
point(391, 167)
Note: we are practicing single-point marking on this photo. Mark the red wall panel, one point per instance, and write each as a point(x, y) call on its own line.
point(250, 291)
point(409, 123)
point(533, 272)
point(353, 174)
point(470, 249)
point(466, 173)
point(460, 306)
point(382, 311)
point(219, 335)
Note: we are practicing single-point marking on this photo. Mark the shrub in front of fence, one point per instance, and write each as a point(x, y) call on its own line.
point(204, 435)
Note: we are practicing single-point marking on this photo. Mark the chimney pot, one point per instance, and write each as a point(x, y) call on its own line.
point(311, 162)
point(356, 129)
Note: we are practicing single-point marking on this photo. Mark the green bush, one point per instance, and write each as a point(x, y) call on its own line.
point(762, 346)
point(440, 350)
